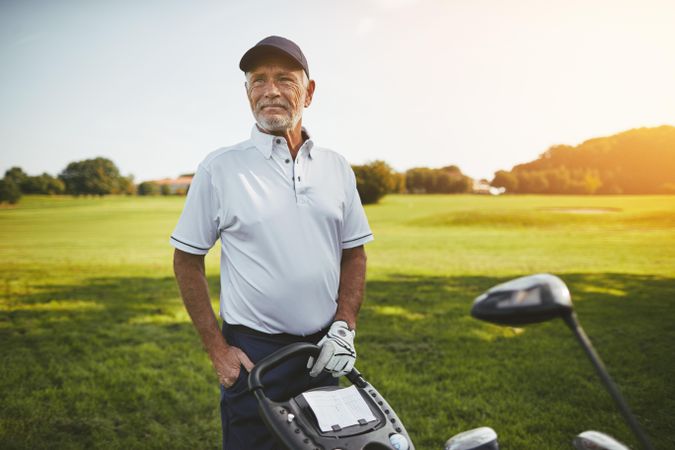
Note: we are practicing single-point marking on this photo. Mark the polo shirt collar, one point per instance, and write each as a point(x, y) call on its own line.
point(265, 142)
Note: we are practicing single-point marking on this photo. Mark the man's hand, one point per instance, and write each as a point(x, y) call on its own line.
point(337, 351)
point(228, 364)
point(194, 288)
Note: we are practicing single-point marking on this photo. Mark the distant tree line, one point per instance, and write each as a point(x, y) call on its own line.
point(154, 188)
point(639, 161)
point(376, 179)
point(16, 182)
point(446, 180)
point(98, 176)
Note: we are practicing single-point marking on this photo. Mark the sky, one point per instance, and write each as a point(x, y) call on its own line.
point(155, 86)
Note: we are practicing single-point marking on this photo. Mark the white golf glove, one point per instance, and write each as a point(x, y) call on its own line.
point(337, 354)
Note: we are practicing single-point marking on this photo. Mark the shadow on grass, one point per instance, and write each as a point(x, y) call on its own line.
point(446, 372)
point(109, 363)
point(115, 363)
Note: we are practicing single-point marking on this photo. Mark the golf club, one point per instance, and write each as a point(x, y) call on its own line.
point(542, 297)
point(483, 438)
point(595, 440)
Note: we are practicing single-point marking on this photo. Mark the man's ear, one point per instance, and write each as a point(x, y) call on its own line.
point(310, 93)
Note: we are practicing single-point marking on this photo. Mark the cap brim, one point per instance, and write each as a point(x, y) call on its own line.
point(253, 57)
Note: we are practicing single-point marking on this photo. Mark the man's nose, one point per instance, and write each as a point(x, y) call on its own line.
point(271, 89)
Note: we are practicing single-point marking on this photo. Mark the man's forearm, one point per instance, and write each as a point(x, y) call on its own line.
point(194, 289)
point(352, 285)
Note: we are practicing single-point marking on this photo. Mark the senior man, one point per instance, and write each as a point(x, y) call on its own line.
point(292, 231)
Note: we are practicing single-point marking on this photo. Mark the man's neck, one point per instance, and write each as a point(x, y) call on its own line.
point(294, 137)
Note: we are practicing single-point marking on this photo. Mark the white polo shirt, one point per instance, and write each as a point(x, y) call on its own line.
point(282, 226)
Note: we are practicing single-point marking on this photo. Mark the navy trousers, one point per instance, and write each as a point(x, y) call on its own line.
point(243, 429)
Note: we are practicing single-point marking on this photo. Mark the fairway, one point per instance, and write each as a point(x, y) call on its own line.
point(98, 352)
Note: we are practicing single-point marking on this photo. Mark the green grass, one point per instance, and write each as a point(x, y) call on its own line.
point(98, 352)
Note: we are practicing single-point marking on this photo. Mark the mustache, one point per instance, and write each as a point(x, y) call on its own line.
point(263, 103)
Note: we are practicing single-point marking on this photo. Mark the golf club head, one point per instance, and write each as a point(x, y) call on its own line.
point(530, 299)
point(595, 440)
point(483, 438)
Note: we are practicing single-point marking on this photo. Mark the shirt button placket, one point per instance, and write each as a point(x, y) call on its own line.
point(299, 178)
point(286, 159)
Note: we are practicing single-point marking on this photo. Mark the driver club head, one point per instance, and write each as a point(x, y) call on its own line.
point(595, 440)
point(483, 438)
point(530, 299)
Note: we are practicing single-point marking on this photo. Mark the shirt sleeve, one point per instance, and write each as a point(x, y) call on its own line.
point(355, 228)
point(197, 228)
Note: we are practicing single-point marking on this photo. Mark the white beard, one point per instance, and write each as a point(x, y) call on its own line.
point(278, 122)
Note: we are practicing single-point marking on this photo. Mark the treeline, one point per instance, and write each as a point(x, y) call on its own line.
point(376, 179)
point(98, 176)
point(639, 161)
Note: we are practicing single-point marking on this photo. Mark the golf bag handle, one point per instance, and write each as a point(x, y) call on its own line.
point(284, 354)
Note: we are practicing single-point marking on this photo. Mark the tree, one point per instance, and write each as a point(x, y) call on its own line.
point(399, 183)
point(125, 186)
point(532, 182)
point(374, 180)
point(97, 176)
point(442, 182)
point(16, 175)
point(669, 188)
point(638, 161)
point(558, 180)
point(9, 191)
point(591, 182)
point(446, 180)
point(165, 189)
point(458, 182)
point(505, 179)
point(461, 185)
point(416, 180)
point(148, 188)
point(43, 184)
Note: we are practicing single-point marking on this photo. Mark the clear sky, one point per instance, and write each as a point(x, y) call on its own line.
point(484, 84)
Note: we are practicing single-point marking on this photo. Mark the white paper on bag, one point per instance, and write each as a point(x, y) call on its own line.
point(341, 407)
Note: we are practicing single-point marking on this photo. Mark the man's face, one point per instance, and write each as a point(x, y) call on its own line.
point(278, 92)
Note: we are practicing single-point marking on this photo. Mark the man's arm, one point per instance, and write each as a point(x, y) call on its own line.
point(194, 289)
point(352, 285)
point(338, 354)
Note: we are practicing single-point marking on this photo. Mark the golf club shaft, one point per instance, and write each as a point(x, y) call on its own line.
point(573, 323)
